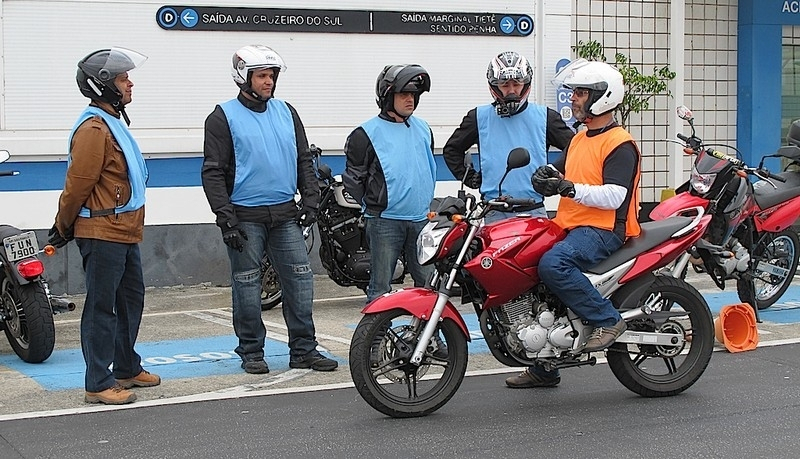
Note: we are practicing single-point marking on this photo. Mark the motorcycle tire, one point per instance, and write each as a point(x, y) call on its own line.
point(28, 320)
point(271, 291)
point(782, 249)
point(660, 371)
point(380, 353)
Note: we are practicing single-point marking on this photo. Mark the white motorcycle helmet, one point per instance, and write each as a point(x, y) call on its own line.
point(509, 65)
point(603, 80)
point(251, 58)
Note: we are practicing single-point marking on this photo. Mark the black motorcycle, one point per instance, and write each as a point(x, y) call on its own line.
point(343, 248)
point(26, 314)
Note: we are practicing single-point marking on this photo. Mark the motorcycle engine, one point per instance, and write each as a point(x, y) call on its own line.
point(536, 330)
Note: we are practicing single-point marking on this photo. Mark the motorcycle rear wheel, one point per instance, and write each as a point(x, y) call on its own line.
point(379, 364)
point(28, 320)
point(782, 250)
point(660, 371)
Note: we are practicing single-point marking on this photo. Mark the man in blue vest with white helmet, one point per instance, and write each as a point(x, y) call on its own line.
point(256, 157)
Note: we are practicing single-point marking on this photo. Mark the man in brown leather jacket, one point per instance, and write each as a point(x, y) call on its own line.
point(102, 208)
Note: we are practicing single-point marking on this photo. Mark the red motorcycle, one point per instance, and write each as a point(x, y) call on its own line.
point(749, 239)
point(408, 355)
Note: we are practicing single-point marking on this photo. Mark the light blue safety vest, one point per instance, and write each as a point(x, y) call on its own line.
point(408, 166)
point(498, 136)
point(265, 151)
point(137, 170)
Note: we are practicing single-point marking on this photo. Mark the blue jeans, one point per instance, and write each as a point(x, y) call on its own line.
point(495, 215)
point(287, 250)
point(387, 239)
point(112, 311)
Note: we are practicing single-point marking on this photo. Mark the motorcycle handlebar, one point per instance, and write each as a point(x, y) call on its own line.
point(683, 138)
point(771, 175)
point(8, 173)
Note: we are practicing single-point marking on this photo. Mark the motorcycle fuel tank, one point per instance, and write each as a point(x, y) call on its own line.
point(508, 264)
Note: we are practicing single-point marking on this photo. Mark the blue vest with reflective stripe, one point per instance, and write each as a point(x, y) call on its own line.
point(408, 166)
point(265, 151)
point(497, 136)
point(137, 170)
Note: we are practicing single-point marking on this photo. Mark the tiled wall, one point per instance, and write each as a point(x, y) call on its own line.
point(790, 78)
point(640, 29)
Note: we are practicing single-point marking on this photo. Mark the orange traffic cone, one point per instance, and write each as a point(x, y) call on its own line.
point(736, 327)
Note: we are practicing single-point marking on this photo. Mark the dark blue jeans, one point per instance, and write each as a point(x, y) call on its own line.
point(287, 251)
point(561, 269)
point(387, 239)
point(112, 312)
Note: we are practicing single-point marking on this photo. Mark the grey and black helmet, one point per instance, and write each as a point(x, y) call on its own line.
point(395, 79)
point(97, 72)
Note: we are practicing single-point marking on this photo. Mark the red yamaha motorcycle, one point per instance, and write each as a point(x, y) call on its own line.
point(749, 239)
point(408, 355)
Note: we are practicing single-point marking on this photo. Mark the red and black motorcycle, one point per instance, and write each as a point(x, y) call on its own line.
point(401, 369)
point(749, 239)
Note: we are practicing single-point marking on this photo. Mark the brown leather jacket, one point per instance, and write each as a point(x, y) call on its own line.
point(97, 178)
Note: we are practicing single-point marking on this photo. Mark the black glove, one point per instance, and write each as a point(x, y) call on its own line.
point(234, 238)
point(473, 179)
point(548, 181)
point(306, 216)
point(58, 240)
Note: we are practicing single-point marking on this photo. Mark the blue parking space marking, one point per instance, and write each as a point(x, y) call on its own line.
point(785, 311)
point(176, 359)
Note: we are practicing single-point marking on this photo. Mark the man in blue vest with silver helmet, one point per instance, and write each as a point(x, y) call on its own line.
point(102, 208)
point(497, 128)
point(256, 157)
point(390, 170)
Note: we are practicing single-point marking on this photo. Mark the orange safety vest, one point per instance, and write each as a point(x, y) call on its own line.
point(585, 159)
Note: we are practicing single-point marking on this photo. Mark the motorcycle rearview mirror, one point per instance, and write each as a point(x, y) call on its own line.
point(517, 158)
point(684, 113)
point(4, 155)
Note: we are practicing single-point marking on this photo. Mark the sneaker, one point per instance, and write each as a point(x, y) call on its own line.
point(315, 361)
point(602, 337)
point(526, 380)
point(255, 367)
point(143, 379)
point(114, 395)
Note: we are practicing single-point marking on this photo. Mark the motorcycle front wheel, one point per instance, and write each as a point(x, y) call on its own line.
point(271, 291)
point(28, 320)
point(660, 371)
point(380, 354)
point(775, 259)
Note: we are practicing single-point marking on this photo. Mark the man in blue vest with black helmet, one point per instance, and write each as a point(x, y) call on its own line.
point(102, 208)
point(256, 157)
point(390, 170)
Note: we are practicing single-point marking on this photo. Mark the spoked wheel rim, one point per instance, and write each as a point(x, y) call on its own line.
point(270, 286)
point(15, 316)
point(386, 378)
point(780, 252)
point(652, 370)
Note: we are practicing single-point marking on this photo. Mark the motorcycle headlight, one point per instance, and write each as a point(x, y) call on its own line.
point(702, 182)
point(428, 242)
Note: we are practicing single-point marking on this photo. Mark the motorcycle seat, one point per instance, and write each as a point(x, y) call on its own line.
point(653, 233)
point(766, 196)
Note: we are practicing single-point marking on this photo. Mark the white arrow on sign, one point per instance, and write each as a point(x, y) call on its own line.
point(508, 24)
point(188, 17)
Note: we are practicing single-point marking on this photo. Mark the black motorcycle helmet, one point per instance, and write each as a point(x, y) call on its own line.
point(97, 71)
point(400, 78)
point(793, 136)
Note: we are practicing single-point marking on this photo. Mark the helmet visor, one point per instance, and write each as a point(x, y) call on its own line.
point(567, 73)
point(106, 66)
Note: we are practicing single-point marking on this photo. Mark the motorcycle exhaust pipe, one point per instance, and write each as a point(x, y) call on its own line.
point(60, 305)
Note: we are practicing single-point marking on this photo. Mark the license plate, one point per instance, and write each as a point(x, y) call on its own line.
point(21, 246)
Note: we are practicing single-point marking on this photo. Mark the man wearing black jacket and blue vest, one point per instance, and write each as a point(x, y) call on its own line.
point(256, 158)
point(390, 170)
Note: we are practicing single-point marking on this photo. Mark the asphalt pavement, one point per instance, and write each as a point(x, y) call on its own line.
point(187, 337)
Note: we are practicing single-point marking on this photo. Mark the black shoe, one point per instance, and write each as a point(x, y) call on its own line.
point(441, 348)
point(526, 380)
point(315, 361)
point(255, 367)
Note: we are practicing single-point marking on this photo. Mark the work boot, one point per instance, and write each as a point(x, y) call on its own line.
point(526, 380)
point(441, 348)
point(313, 360)
point(114, 395)
point(143, 379)
point(255, 367)
point(602, 337)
